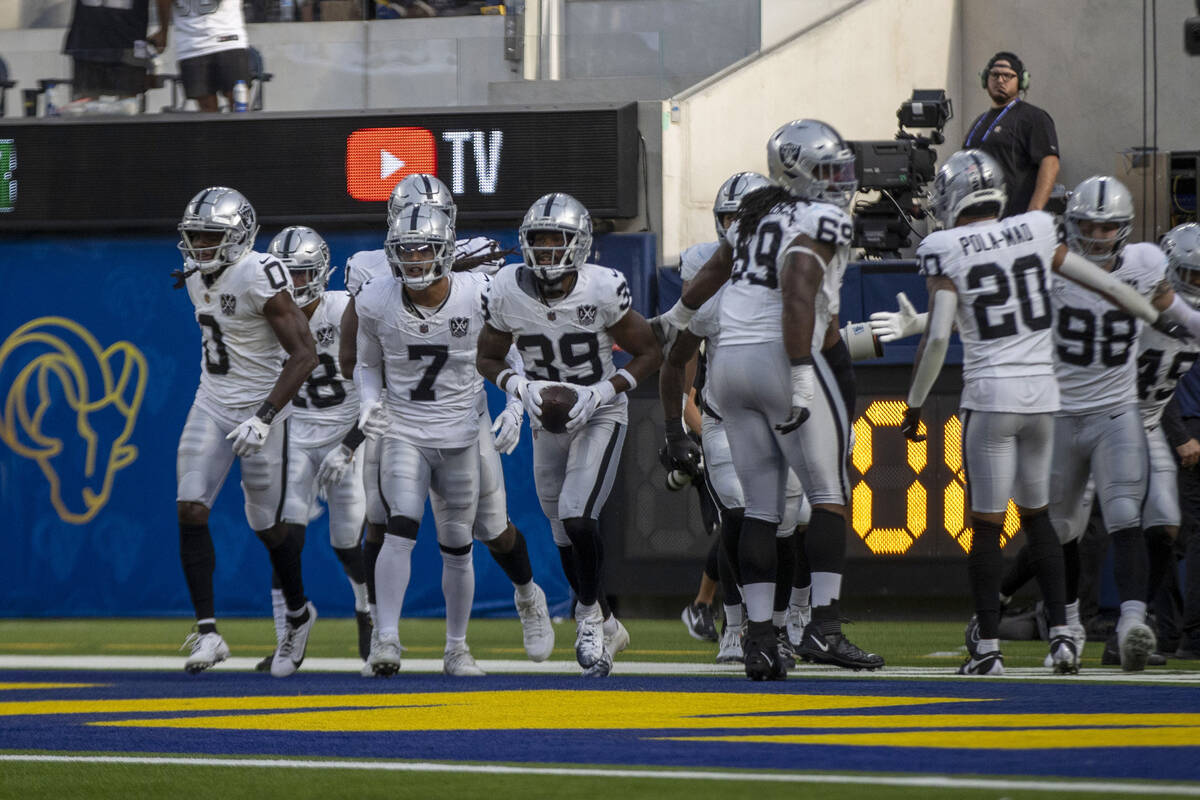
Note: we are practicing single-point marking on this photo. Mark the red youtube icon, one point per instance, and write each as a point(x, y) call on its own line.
point(378, 158)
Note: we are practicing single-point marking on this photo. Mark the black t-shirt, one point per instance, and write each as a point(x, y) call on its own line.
point(103, 33)
point(1018, 136)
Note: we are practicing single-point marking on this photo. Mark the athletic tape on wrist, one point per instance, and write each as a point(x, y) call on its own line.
point(624, 373)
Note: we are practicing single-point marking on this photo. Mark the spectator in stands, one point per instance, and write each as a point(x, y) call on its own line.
point(107, 46)
point(211, 47)
point(1017, 134)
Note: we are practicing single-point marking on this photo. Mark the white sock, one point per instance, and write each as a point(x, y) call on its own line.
point(1073, 613)
point(392, 571)
point(760, 601)
point(800, 596)
point(1060, 630)
point(453, 643)
point(610, 625)
point(988, 646)
point(525, 590)
point(279, 612)
point(1133, 612)
point(734, 616)
point(458, 587)
point(583, 612)
point(360, 595)
point(826, 587)
point(778, 618)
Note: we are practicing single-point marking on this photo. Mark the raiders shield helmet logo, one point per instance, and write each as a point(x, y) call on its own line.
point(228, 304)
point(326, 335)
point(587, 314)
point(459, 326)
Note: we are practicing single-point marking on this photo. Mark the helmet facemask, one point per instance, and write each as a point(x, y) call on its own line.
point(1097, 240)
point(306, 256)
point(218, 227)
point(561, 214)
point(551, 262)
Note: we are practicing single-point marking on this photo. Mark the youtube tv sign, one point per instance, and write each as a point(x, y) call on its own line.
point(313, 169)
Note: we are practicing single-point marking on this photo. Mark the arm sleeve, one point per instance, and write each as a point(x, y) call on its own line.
point(942, 307)
point(368, 370)
point(1079, 269)
point(1173, 426)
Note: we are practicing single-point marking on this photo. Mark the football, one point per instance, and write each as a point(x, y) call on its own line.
point(557, 401)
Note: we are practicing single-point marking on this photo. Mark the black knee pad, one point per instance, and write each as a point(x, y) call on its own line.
point(455, 551)
point(403, 526)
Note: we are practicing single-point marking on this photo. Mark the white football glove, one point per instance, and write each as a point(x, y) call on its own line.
point(803, 387)
point(892, 325)
point(249, 437)
point(528, 392)
point(334, 467)
point(588, 400)
point(507, 428)
point(374, 421)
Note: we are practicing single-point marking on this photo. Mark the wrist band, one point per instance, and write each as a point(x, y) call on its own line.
point(503, 377)
point(674, 429)
point(266, 412)
point(624, 373)
point(802, 361)
point(353, 438)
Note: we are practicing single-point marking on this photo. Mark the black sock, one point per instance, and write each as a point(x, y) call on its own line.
point(371, 550)
point(711, 570)
point(1160, 552)
point(756, 551)
point(729, 585)
point(583, 534)
point(802, 574)
point(566, 554)
point(285, 557)
point(515, 562)
point(1071, 569)
point(1020, 573)
point(731, 536)
point(825, 542)
point(984, 565)
point(352, 563)
point(1131, 565)
point(785, 558)
point(199, 560)
point(1045, 556)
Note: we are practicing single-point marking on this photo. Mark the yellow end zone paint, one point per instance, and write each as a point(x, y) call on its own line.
point(4, 687)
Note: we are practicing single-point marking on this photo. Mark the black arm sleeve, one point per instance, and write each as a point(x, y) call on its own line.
point(1173, 427)
point(838, 358)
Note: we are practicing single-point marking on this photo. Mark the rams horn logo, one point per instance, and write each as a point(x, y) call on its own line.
point(71, 406)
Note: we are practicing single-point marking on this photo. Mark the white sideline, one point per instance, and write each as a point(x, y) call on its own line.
point(930, 782)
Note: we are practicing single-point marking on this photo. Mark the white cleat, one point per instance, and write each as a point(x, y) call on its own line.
point(385, 655)
point(1136, 643)
point(367, 670)
point(290, 653)
point(618, 640)
point(601, 668)
point(206, 649)
point(1064, 658)
point(983, 664)
point(536, 629)
point(797, 620)
point(1078, 635)
point(589, 639)
point(730, 651)
point(459, 663)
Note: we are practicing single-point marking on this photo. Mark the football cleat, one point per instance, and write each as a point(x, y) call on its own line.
point(1110, 656)
point(601, 668)
point(618, 640)
point(365, 632)
point(1135, 644)
point(459, 663)
point(290, 653)
point(698, 619)
point(983, 664)
point(265, 664)
point(589, 639)
point(761, 650)
point(731, 645)
point(537, 632)
point(206, 649)
point(1064, 657)
point(786, 653)
point(1078, 635)
point(836, 649)
point(385, 655)
point(797, 620)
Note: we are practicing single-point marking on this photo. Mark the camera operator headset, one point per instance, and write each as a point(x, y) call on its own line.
point(1018, 134)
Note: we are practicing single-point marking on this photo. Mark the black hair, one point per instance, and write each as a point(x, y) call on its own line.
point(757, 205)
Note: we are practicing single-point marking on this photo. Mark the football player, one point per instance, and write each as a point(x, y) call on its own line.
point(504, 540)
point(256, 353)
point(784, 257)
point(565, 314)
point(324, 435)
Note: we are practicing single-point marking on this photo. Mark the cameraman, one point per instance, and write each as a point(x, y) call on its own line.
point(1017, 134)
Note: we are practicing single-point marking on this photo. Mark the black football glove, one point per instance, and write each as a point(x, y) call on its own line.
point(682, 452)
point(1170, 327)
point(912, 424)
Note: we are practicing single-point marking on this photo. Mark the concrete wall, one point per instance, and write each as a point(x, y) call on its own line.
point(782, 18)
point(852, 71)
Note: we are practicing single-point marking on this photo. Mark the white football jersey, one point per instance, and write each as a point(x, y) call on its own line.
point(752, 310)
point(364, 266)
point(208, 26)
point(240, 355)
point(1001, 270)
point(1162, 361)
point(428, 358)
point(565, 339)
point(692, 259)
point(706, 323)
point(1094, 341)
point(327, 403)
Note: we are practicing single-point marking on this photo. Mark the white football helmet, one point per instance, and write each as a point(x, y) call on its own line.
point(304, 253)
point(812, 161)
point(421, 189)
point(1182, 246)
point(217, 209)
point(968, 178)
point(562, 213)
point(730, 195)
point(418, 228)
point(1099, 199)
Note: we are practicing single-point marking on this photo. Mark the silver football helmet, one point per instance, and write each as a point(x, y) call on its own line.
point(420, 231)
point(421, 189)
point(1104, 200)
point(810, 159)
point(217, 210)
point(968, 178)
point(306, 256)
point(1182, 246)
point(730, 195)
point(564, 214)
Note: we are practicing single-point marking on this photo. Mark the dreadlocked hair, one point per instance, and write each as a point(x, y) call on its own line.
point(755, 206)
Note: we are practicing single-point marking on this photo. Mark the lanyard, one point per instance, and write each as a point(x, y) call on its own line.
point(999, 116)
